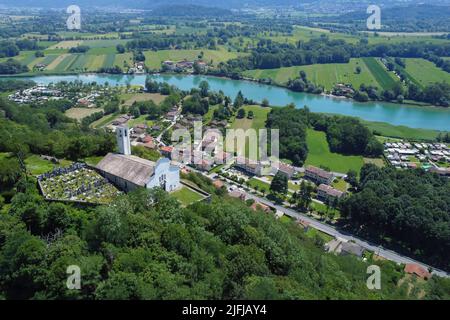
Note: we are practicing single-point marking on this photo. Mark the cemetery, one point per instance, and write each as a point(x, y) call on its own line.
point(77, 183)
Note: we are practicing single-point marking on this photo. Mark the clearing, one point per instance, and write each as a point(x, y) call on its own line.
point(320, 155)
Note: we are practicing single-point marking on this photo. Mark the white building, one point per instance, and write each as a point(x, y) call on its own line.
point(128, 172)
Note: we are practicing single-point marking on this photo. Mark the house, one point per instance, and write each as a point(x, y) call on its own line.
point(419, 271)
point(318, 175)
point(237, 194)
point(441, 171)
point(304, 224)
point(171, 115)
point(350, 248)
point(129, 172)
point(40, 66)
point(328, 194)
point(250, 166)
point(168, 65)
point(140, 128)
point(223, 157)
point(218, 183)
point(166, 151)
point(121, 120)
point(284, 168)
point(260, 206)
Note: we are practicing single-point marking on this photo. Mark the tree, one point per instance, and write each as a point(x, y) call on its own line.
point(120, 48)
point(241, 113)
point(352, 178)
point(279, 183)
point(358, 69)
point(238, 101)
point(250, 114)
point(304, 195)
point(265, 103)
point(204, 88)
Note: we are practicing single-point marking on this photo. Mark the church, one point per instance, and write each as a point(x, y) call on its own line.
point(129, 172)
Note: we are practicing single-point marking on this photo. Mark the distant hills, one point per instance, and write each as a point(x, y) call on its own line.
point(150, 4)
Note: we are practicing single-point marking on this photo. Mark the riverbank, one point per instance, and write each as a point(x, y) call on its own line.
point(430, 118)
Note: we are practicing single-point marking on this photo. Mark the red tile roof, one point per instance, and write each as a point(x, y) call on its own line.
point(166, 149)
point(417, 270)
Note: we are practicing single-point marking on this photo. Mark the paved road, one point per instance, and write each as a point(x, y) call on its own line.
point(385, 253)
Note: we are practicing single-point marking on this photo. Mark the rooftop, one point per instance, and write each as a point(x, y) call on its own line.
point(128, 167)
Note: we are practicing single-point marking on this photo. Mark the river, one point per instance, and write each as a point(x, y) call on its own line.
point(396, 114)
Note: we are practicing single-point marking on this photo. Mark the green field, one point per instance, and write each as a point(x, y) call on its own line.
point(36, 166)
point(153, 59)
point(385, 79)
point(307, 33)
point(258, 122)
point(186, 196)
point(425, 72)
point(326, 75)
point(401, 132)
point(260, 185)
point(319, 154)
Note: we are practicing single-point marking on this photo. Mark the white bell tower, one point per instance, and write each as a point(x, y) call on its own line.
point(123, 140)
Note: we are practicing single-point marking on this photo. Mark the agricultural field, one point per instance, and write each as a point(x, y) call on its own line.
point(326, 75)
point(80, 113)
point(401, 132)
point(386, 79)
point(153, 59)
point(138, 97)
point(123, 60)
point(66, 44)
point(425, 72)
point(319, 154)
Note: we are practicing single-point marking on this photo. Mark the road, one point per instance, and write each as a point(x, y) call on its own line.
point(380, 251)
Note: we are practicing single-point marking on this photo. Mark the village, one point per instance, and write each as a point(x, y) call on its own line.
point(434, 157)
point(241, 177)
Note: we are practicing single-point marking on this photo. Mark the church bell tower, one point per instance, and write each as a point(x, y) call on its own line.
point(123, 140)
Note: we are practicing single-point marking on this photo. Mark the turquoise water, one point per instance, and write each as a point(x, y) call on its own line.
point(397, 114)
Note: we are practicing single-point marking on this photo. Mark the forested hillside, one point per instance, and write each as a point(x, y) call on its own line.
point(145, 246)
point(408, 209)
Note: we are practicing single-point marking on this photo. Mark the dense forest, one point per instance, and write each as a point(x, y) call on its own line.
point(407, 209)
point(44, 129)
point(145, 246)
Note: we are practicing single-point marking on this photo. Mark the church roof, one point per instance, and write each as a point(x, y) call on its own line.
point(128, 167)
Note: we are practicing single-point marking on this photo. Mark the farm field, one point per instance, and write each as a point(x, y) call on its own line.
point(319, 154)
point(401, 132)
point(307, 33)
point(130, 98)
point(66, 44)
point(322, 74)
point(425, 72)
point(123, 59)
point(153, 59)
point(386, 79)
point(80, 113)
